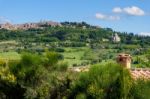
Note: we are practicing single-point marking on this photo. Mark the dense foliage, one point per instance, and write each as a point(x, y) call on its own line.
point(46, 77)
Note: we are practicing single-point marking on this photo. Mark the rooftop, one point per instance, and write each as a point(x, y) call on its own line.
point(136, 73)
point(140, 73)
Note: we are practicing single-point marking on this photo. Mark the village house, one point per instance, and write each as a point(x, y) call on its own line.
point(7, 26)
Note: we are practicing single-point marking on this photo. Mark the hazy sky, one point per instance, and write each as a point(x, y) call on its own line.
point(121, 15)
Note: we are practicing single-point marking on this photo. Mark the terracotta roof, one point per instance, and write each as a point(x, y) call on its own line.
point(140, 73)
point(136, 73)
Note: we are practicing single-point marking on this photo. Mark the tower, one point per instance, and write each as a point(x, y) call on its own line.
point(124, 60)
point(116, 38)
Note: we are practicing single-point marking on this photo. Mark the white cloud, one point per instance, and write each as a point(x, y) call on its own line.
point(133, 10)
point(4, 20)
point(100, 16)
point(106, 17)
point(117, 10)
point(145, 33)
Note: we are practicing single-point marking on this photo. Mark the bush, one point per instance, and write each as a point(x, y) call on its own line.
point(75, 65)
point(30, 79)
point(141, 89)
point(62, 66)
point(104, 82)
point(59, 50)
point(81, 96)
point(30, 59)
point(51, 59)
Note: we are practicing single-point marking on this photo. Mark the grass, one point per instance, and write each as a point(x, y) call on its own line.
point(9, 42)
point(10, 55)
point(140, 57)
point(74, 55)
point(78, 55)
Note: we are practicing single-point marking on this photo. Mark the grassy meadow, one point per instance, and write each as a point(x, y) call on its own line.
point(9, 55)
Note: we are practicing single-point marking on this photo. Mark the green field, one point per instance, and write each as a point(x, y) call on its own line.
point(80, 56)
point(74, 55)
point(9, 55)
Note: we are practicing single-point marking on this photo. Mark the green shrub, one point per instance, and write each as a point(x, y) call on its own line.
point(81, 96)
point(62, 66)
point(141, 89)
point(104, 82)
point(51, 59)
point(59, 50)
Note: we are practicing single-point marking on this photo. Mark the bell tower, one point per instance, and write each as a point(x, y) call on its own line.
point(124, 60)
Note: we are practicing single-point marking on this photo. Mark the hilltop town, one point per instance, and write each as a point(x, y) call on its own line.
point(25, 26)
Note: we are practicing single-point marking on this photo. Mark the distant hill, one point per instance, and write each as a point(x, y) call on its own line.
point(78, 42)
point(49, 31)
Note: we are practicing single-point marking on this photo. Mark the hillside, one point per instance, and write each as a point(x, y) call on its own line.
point(79, 43)
point(73, 61)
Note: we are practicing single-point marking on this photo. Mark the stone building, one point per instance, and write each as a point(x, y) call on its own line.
point(7, 26)
point(27, 26)
point(116, 38)
point(124, 60)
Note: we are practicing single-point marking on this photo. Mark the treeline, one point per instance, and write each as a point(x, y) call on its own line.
point(71, 31)
point(47, 77)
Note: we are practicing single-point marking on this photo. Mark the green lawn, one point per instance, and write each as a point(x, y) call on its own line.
point(78, 55)
point(10, 55)
point(74, 55)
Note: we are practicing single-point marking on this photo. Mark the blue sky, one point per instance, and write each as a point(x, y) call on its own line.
point(120, 15)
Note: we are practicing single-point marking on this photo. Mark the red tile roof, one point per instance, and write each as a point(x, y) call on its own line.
point(140, 73)
point(136, 73)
